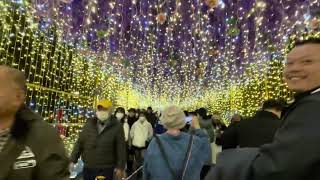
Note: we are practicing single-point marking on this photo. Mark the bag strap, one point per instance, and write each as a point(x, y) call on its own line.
point(179, 176)
point(187, 157)
point(165, 156)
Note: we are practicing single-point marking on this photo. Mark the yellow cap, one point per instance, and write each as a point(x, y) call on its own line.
point(100, 178)
point(105, 103)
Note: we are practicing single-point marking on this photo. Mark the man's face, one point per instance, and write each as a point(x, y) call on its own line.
point(302, 69)
point(11, 97)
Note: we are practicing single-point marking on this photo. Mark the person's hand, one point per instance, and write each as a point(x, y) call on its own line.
point(71, 165)
point(119, 174)
point(195, 122)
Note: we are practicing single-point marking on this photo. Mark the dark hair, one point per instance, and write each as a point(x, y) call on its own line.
point(192, 114)
point(149, 108)
point(273, 104)
point(132, 110)
point(121, 109)
point(294, 42)
point(202, 112)
point(307, 41)
point(144, 113)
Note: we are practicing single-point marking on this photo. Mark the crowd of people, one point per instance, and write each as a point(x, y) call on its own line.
point(280, 142)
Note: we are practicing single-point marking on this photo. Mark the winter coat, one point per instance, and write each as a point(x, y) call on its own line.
point(207, 126)
point(230, 137)
point(140, 133)
point(152, 118)
point(36, 150)
point(175, 147)
point(252, 132)
point(101, 150)
point(258, 130)
point(126, 130)
point(131, 121)
point(293, 154)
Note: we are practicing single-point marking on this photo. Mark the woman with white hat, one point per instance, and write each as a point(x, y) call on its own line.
point(176, 155)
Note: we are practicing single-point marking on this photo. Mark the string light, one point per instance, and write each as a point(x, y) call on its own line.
point(227, 58)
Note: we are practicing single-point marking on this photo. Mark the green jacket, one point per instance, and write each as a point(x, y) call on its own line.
point(34, 151)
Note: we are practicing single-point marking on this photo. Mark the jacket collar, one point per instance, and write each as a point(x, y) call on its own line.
point(266, 113)
point(109, 123)
point(304, 94)
point(297, 98)
point(315, 91)
point(24, 118)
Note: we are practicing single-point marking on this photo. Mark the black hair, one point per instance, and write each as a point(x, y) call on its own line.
point(202, 112)
point(121, 109)
point(294, 42)
point(307, 41)
point(144, 113)
point(274, 104)
point(192, 114)
point(132, 110)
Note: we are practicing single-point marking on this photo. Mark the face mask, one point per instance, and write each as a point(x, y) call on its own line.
point(119, 116)
point(142, 119)
point(103, 115)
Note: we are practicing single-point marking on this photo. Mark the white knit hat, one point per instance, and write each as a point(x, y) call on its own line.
point(173, 117)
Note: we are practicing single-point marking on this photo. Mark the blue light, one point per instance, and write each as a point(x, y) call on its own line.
point(222, 4)
point(18, 1)
point(307, 17)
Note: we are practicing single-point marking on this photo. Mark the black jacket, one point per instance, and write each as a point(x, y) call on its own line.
point(152, 119)
point(258, 130)
point(104, 150)
point(293, 154)
point(34, 152)
point(252, 132)
point(131, 121)
point(229, 137)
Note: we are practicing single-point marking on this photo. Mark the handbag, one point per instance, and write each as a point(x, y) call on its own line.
point(180, 175)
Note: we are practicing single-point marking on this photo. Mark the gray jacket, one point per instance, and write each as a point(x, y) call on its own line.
point(101, 150)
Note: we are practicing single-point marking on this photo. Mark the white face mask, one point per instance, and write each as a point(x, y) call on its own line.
point(119, 116)
point(103, 115)
point(142, 119)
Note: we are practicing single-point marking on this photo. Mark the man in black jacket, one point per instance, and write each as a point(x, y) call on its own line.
point(30, 149)
point(151, 117)
point(261, 128)
point(255, 131)
point(294, 152)
point(101, 144)
point(132, 117)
